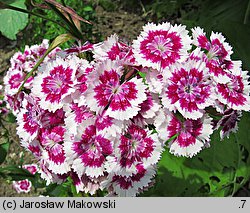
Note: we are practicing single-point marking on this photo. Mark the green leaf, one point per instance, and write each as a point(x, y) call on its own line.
point(11, 118)
point(15, 173)
point(11, 22)
point(217, 171)
point(88, 9)
point(4, 148)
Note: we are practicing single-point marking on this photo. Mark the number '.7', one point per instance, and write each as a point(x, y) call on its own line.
point(243, 203)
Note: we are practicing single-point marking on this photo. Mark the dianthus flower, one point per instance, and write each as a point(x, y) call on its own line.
point(160, 46)
point(190, 136)
point(121, 98)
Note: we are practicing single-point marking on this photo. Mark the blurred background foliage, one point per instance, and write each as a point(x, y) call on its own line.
point(221, 170)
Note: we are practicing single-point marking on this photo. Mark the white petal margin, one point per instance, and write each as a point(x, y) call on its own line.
point(180, 30)
point(44, 71)
point(137, 186)
point(197, 32)
point(101, 49)
point(93, 81)
point(60, 169)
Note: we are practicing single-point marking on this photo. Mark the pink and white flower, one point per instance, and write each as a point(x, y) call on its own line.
point(130, 186)
point(160, 46)
point(25, 185)
point(28, 119)
point(14, 103)
point(188, 136)
point(22, 186)
point(113, 49)
point(121, 99)
point(13, 81)
point(135, 146)
point(53, 154)
point(54, 82)
point(87, 150)
point(235, 93)
point(217, 47)
point(188, 90)
point(32, 168)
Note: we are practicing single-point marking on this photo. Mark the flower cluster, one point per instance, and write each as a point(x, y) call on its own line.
point(105, 122)
point(25, 185)
point(20, 65)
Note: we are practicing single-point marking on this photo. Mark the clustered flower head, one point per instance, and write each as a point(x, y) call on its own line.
point(105, 122)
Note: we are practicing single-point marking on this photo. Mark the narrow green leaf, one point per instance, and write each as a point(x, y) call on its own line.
point(15, 173)
point(57, 42)
point(4, 148)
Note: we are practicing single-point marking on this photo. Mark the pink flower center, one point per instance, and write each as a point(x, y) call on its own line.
point(109, 91)
point(135, 146)
point(161, 47)
point(57, 83)
point(93, 148)
point(188, 88)
point(187, 131)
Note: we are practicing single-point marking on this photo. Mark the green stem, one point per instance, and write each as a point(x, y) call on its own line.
point(247, 14)
point(34, 14)
point(235, 188)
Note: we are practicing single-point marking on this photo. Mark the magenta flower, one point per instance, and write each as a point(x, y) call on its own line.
point(191, 136)
point(54, 82)
point(135, 146)
point(22, 186)
point(87, 150)
point(160, 46)
point(188, 90)
point(121, 99)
